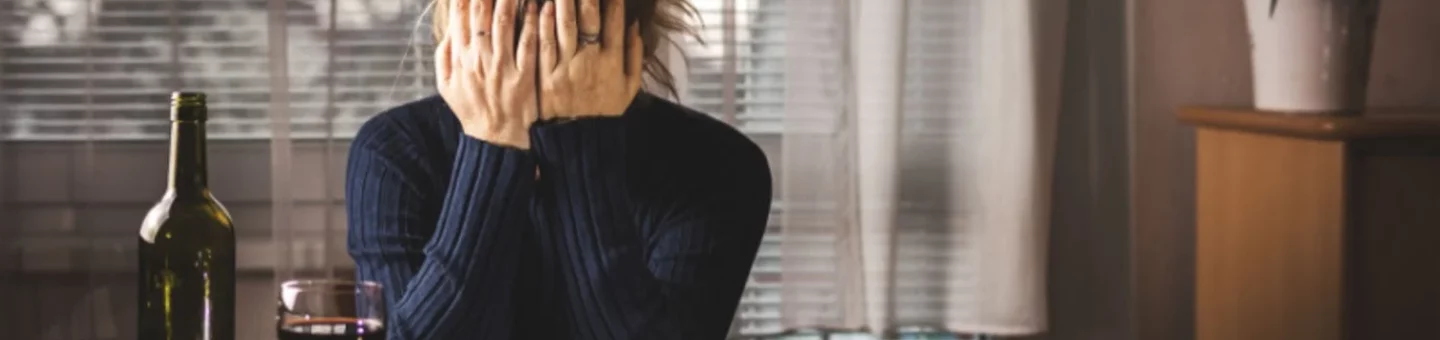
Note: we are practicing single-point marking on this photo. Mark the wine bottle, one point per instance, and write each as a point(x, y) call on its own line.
point(187, 243)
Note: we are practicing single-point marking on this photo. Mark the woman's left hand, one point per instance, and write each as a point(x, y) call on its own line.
point(586, 71)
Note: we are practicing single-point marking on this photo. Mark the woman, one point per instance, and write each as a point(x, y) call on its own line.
point(585, 209)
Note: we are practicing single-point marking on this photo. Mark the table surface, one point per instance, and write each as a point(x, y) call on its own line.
point(101, 306)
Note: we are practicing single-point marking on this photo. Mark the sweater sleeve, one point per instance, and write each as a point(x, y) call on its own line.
point(458, 285)
point(671, 270)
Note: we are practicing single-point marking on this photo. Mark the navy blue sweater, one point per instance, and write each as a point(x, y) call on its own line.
point(643, 226)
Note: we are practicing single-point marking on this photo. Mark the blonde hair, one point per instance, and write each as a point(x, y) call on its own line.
point(660, 22)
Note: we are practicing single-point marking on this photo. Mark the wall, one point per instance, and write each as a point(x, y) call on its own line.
point(73, 204)
point(71, 210)
point(1188, 52)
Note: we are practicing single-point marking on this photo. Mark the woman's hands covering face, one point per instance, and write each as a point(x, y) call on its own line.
point(587, 66)
point(489, 81)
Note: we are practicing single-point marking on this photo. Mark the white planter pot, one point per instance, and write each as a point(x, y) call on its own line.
point(1311, 56)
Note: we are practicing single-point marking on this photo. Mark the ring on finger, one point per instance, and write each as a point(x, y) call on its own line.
point(589, 39)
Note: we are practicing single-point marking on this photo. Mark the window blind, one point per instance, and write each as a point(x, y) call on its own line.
point(737, 74)
point(102, 69)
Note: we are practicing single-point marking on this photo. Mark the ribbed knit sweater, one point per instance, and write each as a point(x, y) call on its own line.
point(642, 226)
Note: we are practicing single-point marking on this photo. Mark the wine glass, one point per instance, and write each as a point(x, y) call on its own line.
point(330, 310)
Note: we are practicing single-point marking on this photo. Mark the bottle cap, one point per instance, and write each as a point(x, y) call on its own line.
point(187, 106)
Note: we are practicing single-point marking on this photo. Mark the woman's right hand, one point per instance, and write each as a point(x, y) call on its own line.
point(486, 79)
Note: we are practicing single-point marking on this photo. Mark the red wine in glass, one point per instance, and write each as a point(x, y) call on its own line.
point(330, 310)
point(331, 329)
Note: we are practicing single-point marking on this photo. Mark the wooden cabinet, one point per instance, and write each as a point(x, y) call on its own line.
point(1317, 228)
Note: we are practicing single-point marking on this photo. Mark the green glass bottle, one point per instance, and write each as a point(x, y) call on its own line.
point(187, 243)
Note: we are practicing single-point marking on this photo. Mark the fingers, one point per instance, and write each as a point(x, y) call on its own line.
point(455, 32)
point(502, 30)
point(529, 40)
point(615, 31)
point(549, 55)
point(459, 23)
point(565, 26)
point(589, 17)
point(634, 65)
point(479, 14)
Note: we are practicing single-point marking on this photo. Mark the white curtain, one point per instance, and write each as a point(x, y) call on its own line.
point(916, 163)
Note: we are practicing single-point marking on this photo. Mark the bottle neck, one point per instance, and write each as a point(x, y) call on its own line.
point(187, 157)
